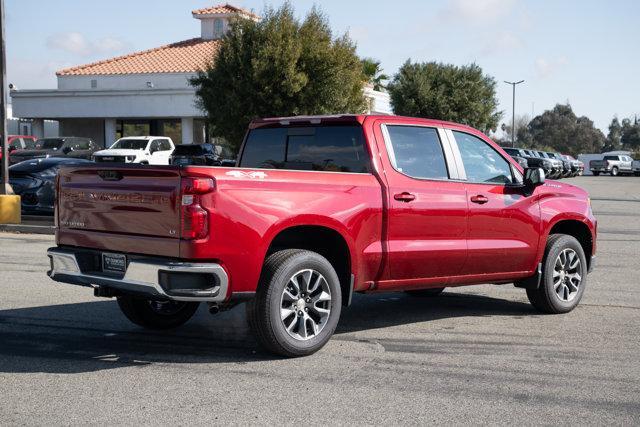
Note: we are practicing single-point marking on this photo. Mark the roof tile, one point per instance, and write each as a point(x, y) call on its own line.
point(225, 8)
point(181, 57)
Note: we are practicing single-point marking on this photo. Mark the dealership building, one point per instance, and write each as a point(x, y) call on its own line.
point(143, 93)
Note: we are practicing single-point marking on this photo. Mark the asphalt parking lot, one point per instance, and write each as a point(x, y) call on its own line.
point(475, 355)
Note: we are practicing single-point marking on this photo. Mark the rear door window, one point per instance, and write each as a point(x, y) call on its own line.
point(318, 148)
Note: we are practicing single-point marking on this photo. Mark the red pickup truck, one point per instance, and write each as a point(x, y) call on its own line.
point(316, 209)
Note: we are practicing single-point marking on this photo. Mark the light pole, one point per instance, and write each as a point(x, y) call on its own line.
point(5, 188)
point(513, 112)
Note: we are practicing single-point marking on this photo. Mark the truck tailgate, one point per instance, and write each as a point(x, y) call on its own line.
point(103, 207)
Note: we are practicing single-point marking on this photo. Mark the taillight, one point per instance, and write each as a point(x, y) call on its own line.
point(194, 218)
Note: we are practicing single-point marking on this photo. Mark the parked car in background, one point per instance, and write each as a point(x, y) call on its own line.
point(34, 181)
point(66, 146)
point(557, 167)
point(534, 160)
point(201, 154)
point(577, 167)
point(145, 150)
point(614, 165)
point(321, 208)
point(19, 142)
point(635, 166)
point(518, 156)
point(566, 164)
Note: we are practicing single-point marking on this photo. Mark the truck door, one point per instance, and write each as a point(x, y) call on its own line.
point(504, 224)
point(427, 207)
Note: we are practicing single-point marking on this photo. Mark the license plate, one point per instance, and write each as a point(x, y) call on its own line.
point(114, 263)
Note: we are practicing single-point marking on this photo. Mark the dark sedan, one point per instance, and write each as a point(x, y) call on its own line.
point(201, 154)
point(67, 146)
point(34, 181)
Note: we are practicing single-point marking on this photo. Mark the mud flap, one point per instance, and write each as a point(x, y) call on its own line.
point(532, 282)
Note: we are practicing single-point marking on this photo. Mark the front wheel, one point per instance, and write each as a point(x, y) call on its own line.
point(564, 276)
point(152, 314)
point(297, 305)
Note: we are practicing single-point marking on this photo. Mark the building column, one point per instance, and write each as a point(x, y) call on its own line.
point(187, 130)
point(109, 132)
point(37, 128)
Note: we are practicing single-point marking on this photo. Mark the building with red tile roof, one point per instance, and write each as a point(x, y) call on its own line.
point(146, 92)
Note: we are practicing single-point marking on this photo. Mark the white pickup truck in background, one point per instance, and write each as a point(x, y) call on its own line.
point(614, 165)
point(146, 150)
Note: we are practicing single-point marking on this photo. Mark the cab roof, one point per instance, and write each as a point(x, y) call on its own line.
point(345, 118)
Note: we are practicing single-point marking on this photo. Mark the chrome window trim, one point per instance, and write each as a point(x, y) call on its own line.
point(447, 152)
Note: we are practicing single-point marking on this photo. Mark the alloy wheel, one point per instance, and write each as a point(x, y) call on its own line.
point(305, 304)
point(566, 275)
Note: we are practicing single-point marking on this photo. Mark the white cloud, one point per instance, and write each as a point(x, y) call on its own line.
point(502, 42)
point(478, 11)
point(545, 68)
point(78, 44)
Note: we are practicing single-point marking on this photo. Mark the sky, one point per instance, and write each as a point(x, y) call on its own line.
point(581, 52)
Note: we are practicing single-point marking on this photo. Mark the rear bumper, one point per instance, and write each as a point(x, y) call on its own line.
point(150, 277)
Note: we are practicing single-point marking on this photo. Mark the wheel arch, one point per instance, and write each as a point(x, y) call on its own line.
point(577, 229)
point(324, 240)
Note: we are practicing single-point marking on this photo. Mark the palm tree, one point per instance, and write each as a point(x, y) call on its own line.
point(373, 73)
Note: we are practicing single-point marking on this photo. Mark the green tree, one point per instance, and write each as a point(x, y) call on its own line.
point(614, 136)
point(279, 66)
point(446, 92)
point(373, 73)
point(561, 129)
point(630, 138)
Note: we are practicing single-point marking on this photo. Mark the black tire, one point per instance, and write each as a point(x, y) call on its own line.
point(614, 171)
point(425, 293)
point(636, 173)
point(264, 311)
point(545, 298)
point(157, 314)
point(596, 173)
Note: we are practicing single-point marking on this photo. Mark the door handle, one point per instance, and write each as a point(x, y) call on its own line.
point(404, 197)
point(479, 199)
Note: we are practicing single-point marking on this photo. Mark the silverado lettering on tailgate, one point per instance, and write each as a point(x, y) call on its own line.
point(134, 198)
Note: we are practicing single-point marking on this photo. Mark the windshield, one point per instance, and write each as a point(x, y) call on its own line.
point(130, 144)
point(50, 143)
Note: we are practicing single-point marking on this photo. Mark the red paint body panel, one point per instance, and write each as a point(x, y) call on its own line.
point(439, 237)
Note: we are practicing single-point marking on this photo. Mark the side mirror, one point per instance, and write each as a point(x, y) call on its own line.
point(533, 177)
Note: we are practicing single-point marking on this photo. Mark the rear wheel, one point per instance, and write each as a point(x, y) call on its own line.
point(614, 171)
point(425, 293)
point(157, 314)
point(298, 303)
point(564, 276)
